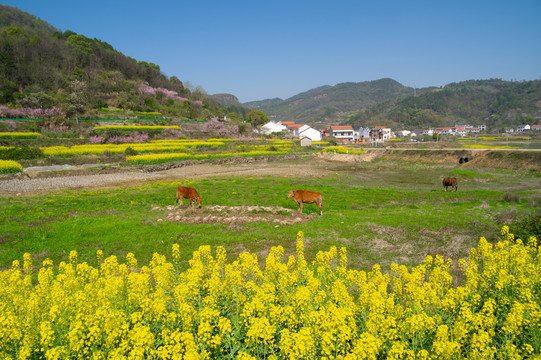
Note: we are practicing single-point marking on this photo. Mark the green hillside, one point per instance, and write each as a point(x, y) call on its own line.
point(496, 103)
point(329, 104)
point(46, 71)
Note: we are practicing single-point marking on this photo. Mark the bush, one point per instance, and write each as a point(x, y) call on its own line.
point(511, 198)
point(20, 153)
point(130, 152)
point(524, 227)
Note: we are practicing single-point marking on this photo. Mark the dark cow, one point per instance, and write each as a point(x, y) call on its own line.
point(189, 193)
point(452, 182)
point(464, 160)
point(309, 197)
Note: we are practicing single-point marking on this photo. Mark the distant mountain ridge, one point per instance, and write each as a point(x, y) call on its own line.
point(329, 104)
point(494, 102)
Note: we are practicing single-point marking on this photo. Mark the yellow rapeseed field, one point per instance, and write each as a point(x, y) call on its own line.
point(98, 149)
point(10, 166)
point(287, 309)
point(177, 156)
point(343, 150)
point(19, 135)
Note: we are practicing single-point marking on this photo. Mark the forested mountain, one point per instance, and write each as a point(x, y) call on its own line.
point(331, 104)
point(495, 103)
point(42, 67)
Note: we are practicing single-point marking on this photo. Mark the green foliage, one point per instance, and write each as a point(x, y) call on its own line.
point(20, 153)
point(43, 62)
point(495, 101)
point(256, 118)
point(130, 152)
point(510, 197)
point(386, 102)
point(525, 226)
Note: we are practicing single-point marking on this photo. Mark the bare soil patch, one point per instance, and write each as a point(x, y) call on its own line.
point(233, 215)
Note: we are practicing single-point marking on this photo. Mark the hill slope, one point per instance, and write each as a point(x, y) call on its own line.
point(43, 67)
point(328, 104)
point(495, 103)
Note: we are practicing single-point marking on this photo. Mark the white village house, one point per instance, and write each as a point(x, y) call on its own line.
point(309, 132)
point(298, 130)
point(272, 127)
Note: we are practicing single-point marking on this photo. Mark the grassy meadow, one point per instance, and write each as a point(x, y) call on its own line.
point(396, 268)
point(382, 212)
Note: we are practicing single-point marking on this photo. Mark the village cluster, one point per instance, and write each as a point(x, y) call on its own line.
point(377, 134)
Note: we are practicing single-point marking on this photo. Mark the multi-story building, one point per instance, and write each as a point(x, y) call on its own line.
point(342, 133)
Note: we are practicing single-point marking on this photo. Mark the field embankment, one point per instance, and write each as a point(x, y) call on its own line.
point(526, 160)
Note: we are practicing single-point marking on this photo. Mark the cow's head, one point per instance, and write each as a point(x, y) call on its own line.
point(291, 194)
point(198, 199)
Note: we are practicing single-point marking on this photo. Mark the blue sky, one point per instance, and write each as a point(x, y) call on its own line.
point(264, 49)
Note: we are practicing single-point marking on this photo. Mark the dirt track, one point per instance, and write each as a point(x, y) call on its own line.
point(26, 185)
point(319, 166)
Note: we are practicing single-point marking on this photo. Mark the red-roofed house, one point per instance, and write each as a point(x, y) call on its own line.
point(294, 128)
point(342, 133)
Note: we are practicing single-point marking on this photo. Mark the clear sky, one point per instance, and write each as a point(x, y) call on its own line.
point(258, 49)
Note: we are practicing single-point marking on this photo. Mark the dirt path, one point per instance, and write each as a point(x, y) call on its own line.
point(28, 185)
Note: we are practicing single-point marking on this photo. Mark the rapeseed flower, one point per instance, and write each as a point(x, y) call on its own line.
point(290, 309)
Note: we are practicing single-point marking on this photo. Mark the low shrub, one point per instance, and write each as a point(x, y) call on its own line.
point(526, 226)
point(511, 197)
point(130, 152)
point(20, 153)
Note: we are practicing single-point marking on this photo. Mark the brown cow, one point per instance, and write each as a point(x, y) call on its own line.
point(452, 182)
point(189, 193)
point(309, 197)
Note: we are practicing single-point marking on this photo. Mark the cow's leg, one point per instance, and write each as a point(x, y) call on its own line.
point(300, 207)
point(320, 206)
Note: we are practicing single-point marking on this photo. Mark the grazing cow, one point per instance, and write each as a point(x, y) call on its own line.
point(189, 193)
point(464, 160)
point(452, 182)
point(309, 197)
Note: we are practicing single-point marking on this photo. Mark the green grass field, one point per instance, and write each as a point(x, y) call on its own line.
point(382, 212)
